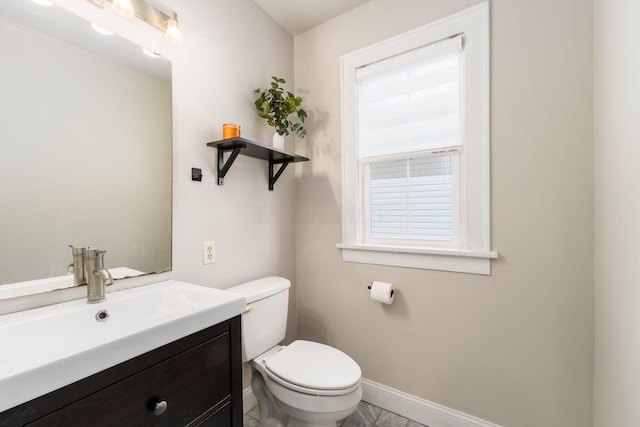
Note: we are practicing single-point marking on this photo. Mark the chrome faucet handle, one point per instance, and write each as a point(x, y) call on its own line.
point(95, 252)
point(78, 250)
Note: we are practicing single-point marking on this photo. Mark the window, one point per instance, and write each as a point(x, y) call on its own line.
point(408, 130)
point(416, 148)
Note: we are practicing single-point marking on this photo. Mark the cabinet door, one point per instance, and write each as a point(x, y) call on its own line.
point(189, 384)
point(220, 418)
point(10, 418)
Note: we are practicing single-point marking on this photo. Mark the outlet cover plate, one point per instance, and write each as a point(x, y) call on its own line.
point(208, 252)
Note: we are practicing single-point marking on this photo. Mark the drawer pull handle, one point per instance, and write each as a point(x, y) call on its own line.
point(160, 407)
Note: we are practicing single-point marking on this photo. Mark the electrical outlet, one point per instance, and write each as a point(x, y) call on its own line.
point(208, 252)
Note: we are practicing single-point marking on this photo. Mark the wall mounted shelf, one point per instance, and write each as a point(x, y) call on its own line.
point(247, 147)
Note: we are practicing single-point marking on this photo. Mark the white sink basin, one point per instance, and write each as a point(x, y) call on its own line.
point(47, 348)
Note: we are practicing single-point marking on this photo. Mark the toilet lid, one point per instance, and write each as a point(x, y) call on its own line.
point(315, 366)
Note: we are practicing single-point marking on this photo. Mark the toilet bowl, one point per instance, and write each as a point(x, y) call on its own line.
point(312, 382)
point(303, 384)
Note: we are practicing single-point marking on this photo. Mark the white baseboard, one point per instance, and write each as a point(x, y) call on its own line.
point(403, 404)
point(417, 409)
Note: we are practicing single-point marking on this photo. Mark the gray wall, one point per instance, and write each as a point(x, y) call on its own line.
point(617, 203)
point(515, 347)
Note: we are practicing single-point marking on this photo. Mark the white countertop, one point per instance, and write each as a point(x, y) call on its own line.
point(46, 348)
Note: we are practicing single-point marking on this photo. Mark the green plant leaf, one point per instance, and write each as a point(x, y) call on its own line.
point(276, 104)
point(290, 105)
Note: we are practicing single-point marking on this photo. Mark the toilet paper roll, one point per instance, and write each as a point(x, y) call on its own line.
point(382, 292)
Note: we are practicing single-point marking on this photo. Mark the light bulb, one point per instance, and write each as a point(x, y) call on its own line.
point(172, 33)
point(123, 8)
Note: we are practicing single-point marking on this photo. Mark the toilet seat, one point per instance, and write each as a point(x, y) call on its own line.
point(311, 368)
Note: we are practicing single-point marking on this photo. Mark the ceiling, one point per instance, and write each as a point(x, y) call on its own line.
point(297, 16)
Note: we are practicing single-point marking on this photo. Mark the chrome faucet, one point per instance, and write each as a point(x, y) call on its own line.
point(98, 277)
point(78, 266)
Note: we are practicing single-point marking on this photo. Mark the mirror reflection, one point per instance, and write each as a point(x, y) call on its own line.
point(86, 147)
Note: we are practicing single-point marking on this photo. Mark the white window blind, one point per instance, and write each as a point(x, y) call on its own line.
point(409, 143)
point(411, 102)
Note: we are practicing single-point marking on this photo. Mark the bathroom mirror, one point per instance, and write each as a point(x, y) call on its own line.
point(86, 148)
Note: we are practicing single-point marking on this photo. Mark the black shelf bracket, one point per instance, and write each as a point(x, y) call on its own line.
point(247, 147)
point(273, 178)
point(223, 167)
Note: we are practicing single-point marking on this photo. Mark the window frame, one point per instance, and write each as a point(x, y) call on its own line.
point(474, 253)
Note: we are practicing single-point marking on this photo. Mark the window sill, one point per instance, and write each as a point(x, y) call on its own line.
point(428, 259)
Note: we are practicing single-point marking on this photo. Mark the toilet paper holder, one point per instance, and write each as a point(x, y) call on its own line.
point(392, 291)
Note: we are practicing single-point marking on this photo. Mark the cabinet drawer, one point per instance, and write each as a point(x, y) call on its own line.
point(220, 418)
point(190, 383)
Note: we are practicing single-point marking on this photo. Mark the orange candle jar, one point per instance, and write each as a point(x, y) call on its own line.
point(230, 130)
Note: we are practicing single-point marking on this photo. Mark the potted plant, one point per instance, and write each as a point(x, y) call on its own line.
point(276, 105)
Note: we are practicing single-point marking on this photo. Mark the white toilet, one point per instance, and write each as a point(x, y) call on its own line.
point(301, 384)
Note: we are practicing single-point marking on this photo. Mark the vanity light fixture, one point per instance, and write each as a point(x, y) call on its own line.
point(123, 8)
point(164, 20)
point(172, 33)
point(101, 30)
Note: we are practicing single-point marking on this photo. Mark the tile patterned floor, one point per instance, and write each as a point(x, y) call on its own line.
point(367, 415)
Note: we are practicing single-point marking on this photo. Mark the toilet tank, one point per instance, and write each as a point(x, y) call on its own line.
point(264, 323)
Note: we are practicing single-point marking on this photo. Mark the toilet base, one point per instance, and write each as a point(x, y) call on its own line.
point(270, 415)
point(275, 413)
point(299, 423)
point(315, 422)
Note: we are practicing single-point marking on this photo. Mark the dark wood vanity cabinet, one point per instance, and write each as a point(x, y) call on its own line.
point(194, 381)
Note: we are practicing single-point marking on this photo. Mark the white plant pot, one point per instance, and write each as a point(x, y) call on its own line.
point(278, 141)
